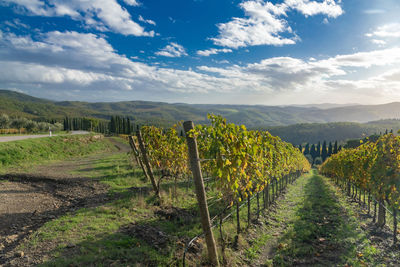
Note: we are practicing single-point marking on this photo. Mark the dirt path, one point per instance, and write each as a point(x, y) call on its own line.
point(23, 137)
point(318, 226)
point(28, 200)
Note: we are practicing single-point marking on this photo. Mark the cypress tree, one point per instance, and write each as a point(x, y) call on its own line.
point(66, 124)
point(123, 129)
point(324, 151)
point(128, 126)
point(112, 125)
point(307, 149)
point(318, 150)
point(335, 148)
point(330, 149)
point(313, 152)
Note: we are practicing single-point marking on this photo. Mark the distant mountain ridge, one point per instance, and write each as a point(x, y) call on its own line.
point(326, 105)
point(253, 116)
point(332, 131)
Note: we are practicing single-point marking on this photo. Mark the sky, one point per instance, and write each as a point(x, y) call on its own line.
point(202, 51)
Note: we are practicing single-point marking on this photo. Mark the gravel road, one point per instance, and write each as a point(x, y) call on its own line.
point(22, 137)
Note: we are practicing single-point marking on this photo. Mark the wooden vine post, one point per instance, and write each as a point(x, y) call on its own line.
point(200, 193)
point(147, 164)
point(137, 156)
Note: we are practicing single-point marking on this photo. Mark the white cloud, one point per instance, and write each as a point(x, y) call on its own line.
point(148, 21)
point(16, 23)
point(382, 57)
point(132, 2)
point(213, 51)
point(379, 42)
point(61, 61)
point(224, 61)
point(295, 75)
point(104, 15)
point(310, 8)
point(36, 73)
point(391, 30)
point(262, 27)
point(172, 50)
point(37, 7)
point(266, 23)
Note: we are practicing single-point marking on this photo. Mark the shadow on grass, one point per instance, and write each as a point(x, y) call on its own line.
point(156, 239)
point(323, 234)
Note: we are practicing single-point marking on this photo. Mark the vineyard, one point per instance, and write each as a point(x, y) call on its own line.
point(189, 195)
point(242, 163)
point(245, 163)
point(373, 169)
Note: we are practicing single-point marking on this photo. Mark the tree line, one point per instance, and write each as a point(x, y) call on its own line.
point(116, 125)
point(20, 124)
point(317, 154)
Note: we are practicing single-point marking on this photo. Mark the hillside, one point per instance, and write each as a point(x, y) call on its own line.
point(253, 116)
point(341, 131)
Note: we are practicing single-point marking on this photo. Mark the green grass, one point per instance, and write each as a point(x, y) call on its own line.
point(115, 171)
point(313, 210)
point(95, 233)
point(324, 231)
point(34, 151)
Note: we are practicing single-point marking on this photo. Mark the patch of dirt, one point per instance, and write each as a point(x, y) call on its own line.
point(152, 235)
point(180, 216)
point(381, 238)
point(122, 147)
point(29, 200)
point(145, 190)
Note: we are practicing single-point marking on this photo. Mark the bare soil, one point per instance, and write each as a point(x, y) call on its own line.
point(29, 200)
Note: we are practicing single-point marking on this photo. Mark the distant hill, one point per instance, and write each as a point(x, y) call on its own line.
point(253, 116)
point(341, 131)
point(326, 105)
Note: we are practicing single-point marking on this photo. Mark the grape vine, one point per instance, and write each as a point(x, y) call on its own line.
point(373, 167)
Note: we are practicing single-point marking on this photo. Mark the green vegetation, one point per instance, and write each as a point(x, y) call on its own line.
point(86, 124)
point(104, 235)
point(313, 224)
point(341, 131)
point(131, 229)
point(19, 124)
point(323, 230)
point(374, 168)
point(164, 114)
point(34, 151)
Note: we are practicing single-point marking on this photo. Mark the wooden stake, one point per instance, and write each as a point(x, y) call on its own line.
point(147, 164)
point(137, 157)
point(200, 193)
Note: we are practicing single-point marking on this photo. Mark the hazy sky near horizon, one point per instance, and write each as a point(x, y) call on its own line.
point(202, 51)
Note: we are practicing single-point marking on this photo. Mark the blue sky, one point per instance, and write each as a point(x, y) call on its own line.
point(202, 51)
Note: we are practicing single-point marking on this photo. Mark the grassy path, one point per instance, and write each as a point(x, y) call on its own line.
point(316, 226)
point(312, 224)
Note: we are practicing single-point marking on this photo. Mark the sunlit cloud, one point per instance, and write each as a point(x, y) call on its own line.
point(172, 50)
point(98, 14)
point(266, 23)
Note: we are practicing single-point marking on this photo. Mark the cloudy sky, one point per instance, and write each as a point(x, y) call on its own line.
point(202, 51)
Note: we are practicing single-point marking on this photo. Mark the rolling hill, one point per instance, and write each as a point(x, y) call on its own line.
point(332, 131)
point(253, 116)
